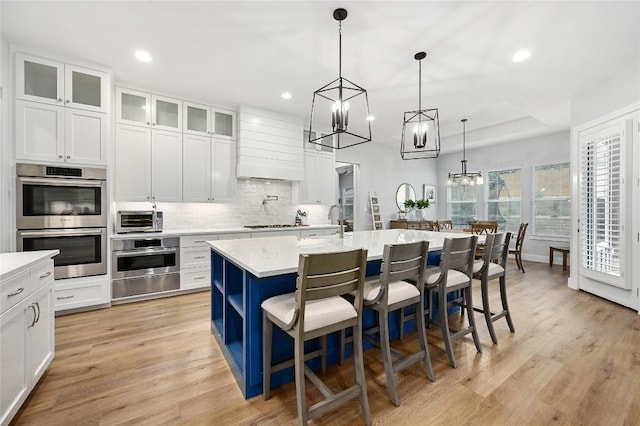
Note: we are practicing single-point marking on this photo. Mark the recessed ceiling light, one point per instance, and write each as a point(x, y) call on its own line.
point(370, 117)
point(521, 55)
point(285, 95)
point(143, 56)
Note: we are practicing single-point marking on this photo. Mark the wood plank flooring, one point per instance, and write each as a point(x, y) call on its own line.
point(574, 359)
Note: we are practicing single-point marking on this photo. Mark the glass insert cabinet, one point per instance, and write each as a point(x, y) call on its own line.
point(52, 82)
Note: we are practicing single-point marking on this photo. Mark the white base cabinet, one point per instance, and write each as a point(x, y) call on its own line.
point(26, 335)
point(195, 264)
point(74, 293)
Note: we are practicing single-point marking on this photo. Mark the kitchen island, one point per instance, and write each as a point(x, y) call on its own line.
point(245, 272)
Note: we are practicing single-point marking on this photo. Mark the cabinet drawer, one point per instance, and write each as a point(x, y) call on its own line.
point(196, 240)
point(194, 257)
point(413, 226)
point(195, 278)
point(312, 233)
point(69, 297)
point(14, 290)
point(42, 275)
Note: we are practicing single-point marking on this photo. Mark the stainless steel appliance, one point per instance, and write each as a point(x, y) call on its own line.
point(145, 265)
point(60, 197)
point(82, 250)
point(64, 208)
point(138, 221)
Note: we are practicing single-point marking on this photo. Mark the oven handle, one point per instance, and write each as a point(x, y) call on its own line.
point(145, 252)
point(62, 182)
point(55, 233)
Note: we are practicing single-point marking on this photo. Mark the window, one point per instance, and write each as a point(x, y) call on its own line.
point(504, 190)
point(462, 205)
point(602, 203)
point(551, 192)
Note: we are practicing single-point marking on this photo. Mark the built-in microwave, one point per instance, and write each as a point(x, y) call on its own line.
point(128, 221)
point(51, 197)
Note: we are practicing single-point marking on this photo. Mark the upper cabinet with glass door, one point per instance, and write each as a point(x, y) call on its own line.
point(204, 120)
point(52, 82)
point(148, 110)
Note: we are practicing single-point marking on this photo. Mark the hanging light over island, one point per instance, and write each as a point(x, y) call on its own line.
point(340, 115)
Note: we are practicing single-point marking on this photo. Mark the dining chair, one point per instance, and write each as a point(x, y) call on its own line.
point(445, 225)
point(517, 251)
point(491, 267)
point(454, 274)
point(433, 225)
point(484, 227)
point(390, 292)
point(315, 310)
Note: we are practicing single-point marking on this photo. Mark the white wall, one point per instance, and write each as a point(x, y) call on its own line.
point(525, 153)
point(382, 170)
point(7, 234)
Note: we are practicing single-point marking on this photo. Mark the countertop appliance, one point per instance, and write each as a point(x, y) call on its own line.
point(145, 265)
point(63, 208)
point(129, 221)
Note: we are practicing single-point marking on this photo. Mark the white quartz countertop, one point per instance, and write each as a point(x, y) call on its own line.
point(204, 231)
point(269, 256)
point(14, 263)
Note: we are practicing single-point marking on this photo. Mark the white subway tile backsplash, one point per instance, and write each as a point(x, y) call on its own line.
point(247, 209)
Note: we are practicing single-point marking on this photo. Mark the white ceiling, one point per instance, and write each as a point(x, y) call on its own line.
point(239, 52)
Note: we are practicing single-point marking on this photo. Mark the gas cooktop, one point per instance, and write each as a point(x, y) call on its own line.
point(268, 226)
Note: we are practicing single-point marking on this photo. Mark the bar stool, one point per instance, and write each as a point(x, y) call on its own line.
point(454, 274)
point(492, 266)
point(388, 293)
point(315, 310)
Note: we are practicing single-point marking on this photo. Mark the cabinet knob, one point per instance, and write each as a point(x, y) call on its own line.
point(68, 101)
point(68, 157)
point(153, 124)
point(148, 123)
point(148, 197)
point(59, 99)
point(60, 157)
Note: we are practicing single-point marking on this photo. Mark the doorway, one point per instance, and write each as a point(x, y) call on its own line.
point(347, 193)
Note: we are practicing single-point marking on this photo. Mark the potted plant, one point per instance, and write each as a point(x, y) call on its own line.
point(421, 204)
point(409, 204)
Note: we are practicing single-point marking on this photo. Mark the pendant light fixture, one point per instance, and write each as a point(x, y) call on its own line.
point(343, 118)
point(464, 178)
point(421, 128)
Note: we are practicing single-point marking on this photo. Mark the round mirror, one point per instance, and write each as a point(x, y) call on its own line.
point(405, 192)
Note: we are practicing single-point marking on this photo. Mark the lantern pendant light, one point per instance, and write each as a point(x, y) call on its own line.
point(424, 124)
point(343, 118)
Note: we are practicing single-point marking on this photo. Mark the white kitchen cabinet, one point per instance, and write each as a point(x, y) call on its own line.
point(133, 107)
point(208, 169)
point(318, 186)
point(166, 166)
point(82, 292)
point(26, 335)
point(204, 120)
point(57, 134)
point(144, 109)
point(133, 163)
point(148, 164)
point(56, 83)
point(195, 263)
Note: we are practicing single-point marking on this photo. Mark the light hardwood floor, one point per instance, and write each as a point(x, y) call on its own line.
point(574, 359)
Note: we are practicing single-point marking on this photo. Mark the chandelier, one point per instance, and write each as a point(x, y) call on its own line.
point(424, 141)
point(465, 177)
point(344, 120)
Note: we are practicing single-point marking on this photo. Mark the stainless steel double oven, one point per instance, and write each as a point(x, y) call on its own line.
point(64, 208)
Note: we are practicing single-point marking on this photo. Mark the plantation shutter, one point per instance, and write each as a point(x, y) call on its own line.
point(602, 205)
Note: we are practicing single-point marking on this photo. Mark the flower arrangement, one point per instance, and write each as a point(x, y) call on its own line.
point(422, 203)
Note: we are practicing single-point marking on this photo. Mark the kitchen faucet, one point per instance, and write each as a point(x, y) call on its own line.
point(340, 220)
point(269, 198)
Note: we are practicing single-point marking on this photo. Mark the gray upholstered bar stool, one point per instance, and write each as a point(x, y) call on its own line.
point(315, 310)
point(454, 274)
point(388, 293)
point(492, 266)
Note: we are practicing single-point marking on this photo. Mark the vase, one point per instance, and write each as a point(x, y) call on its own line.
point(419, 214)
